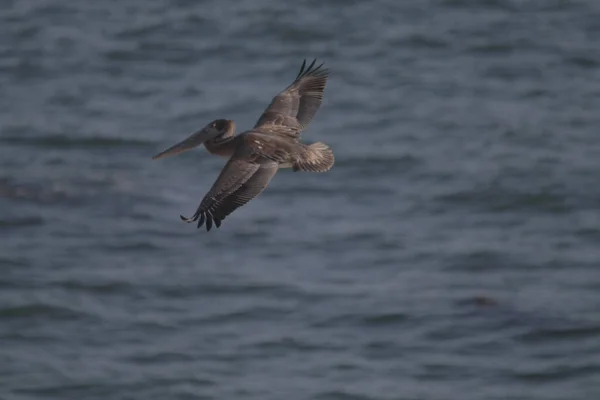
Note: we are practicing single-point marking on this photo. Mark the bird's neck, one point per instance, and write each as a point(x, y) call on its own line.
point(223, 147)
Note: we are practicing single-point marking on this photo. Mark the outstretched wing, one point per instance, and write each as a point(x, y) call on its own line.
point(239, 182)
point(293, 109)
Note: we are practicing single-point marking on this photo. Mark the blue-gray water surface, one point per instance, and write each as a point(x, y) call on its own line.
point(453, 252)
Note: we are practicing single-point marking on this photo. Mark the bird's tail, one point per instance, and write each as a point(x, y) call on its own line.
point(316, 157)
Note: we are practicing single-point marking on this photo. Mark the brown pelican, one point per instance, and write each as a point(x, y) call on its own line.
point(256, 155)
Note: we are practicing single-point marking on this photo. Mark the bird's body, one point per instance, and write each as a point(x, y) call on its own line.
point(257, 154)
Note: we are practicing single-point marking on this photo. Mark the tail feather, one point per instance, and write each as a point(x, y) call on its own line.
point(317, 157)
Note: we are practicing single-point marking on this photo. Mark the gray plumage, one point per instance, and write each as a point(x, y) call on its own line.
point(256, 155)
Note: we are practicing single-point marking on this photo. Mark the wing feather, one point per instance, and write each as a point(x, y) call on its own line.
point(249, 190)
point(294, 108)
point(240, 181)
point(234, 174)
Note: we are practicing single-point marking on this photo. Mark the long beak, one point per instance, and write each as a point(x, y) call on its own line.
point(196, 139)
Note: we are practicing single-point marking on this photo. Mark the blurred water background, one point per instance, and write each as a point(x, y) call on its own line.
point(451, 253)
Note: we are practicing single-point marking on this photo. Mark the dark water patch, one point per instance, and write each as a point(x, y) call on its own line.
point(420, 41)
point(434, 371)
point(374, 321)
point(18, 338)
point(563, 331)
point(141, 29)
point(189, 381)
point(344, 395)
point(164, 233)
point(129, 247)
point(67, 390)
point(588, 233)
point(495, 198)
point(96, 288)
point(389, 319)
point(141, 216)
point(585, 62)
point(14, 262)
point(535, 93)
point(480, 301)
point(134, 93)
point(551, 374)
point(265, 222)
point(291, 344)
point(155, 327)
point(477, 322)
point(74, 100)
point(39, 310)
point(347, 367)
point(331, 191)
point(287, 31)
point(493, 48)
point(21, 222)
point(184, 290)
point(258, 236)
point(382, 242)
point(54, 11)
point(482, 260)
point(378, 164)
point(11, 189)
point(76, 143)
point(512, 73)
point(383, 349)
point(254, 313)
point(482, 6)
point(160, 358)
point(150, 51)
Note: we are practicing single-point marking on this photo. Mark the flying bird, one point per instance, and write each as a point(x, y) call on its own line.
point(256, 155)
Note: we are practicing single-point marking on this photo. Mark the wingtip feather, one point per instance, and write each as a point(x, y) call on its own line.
point(312, 70)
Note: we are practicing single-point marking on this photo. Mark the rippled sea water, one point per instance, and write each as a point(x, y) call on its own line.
point(451, 253)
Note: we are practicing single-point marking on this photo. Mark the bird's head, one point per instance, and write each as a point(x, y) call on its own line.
point(215, 131)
